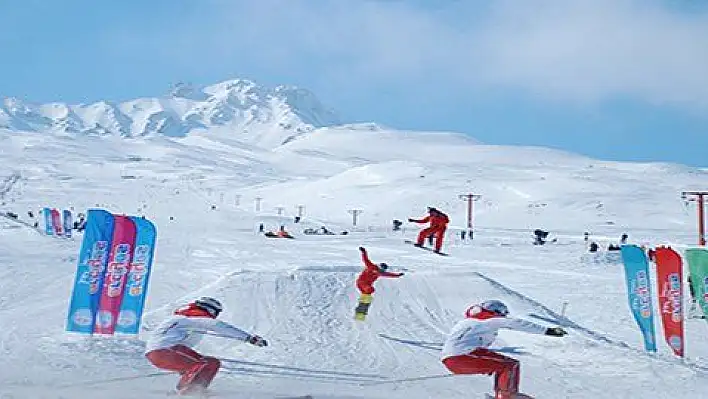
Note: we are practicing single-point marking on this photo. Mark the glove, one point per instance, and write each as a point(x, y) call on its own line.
point(411, 220)
point(257, 341)
point(556, 332)
point(400, 274)
point(362, 249)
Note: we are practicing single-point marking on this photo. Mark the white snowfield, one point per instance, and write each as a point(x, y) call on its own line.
point(299, 294)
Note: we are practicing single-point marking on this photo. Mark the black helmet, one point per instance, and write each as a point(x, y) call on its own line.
point(210, 305)
point(383, 266)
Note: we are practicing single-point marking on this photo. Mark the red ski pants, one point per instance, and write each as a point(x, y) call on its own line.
point(438, 232)
point(196, 370)
point(483, 361)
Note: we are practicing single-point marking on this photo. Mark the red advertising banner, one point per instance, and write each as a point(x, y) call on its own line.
point(124, 232)
point(669, 280)
point(56, 222)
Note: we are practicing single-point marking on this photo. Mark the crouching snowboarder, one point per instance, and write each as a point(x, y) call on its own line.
point(170, 346)
point(465, 350)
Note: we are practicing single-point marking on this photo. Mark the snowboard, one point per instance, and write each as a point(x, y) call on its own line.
point(426, 248)
point(362, 308)
point(273, 235)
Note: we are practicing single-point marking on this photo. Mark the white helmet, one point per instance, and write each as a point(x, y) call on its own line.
point(211, 305)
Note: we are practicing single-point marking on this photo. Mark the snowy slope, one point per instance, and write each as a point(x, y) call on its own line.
point(299, 294)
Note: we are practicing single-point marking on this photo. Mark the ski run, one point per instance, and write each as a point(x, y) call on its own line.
point(300, 294)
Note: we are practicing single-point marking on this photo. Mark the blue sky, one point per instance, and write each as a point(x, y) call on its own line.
point(612, 79)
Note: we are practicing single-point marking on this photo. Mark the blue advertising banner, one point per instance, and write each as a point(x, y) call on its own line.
point(68, 223)
point(636, 269)
point(131, 309)
point(48, 224)
point(90, 271)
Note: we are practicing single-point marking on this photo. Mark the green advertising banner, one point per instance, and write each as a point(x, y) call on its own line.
point(698, 268)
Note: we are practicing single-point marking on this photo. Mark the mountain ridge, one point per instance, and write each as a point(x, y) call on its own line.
point(273, 116)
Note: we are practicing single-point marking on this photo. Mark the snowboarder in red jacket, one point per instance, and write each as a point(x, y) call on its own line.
point(365, 281)
point(438, 225)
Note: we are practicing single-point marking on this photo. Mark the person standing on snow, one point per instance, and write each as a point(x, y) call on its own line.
point(465, 350)
point(438, 225)
point(170, 346)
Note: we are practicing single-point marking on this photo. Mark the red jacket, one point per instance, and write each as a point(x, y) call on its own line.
point(372, 271)
point(437, 220)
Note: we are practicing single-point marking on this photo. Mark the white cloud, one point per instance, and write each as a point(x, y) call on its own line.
point(581, 51)
point(591, 50)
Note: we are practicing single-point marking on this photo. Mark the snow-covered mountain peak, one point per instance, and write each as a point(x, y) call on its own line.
point(228, 87)
point(15, 106)
point(306, 105)
point(252, 113)
point(187, 91)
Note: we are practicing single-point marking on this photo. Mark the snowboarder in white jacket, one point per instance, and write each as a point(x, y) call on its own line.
point(465, 350)
point(170, 346)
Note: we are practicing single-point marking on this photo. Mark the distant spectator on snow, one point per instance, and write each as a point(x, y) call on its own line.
point(397, 225)
point(593, 247)
point(463, 233)
point(280, 234)
point(80, 223)
point(693, 309)
point(650, 254)
point(539, 237)
point(623, 239)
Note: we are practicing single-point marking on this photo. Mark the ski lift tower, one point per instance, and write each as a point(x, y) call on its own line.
point(470, 198)
point(699, 197)
point(355, 214)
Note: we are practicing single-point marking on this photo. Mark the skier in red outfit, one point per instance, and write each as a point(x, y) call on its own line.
point(438, 225)
point(365, 281)
point(465, 350)
point(170, 346)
